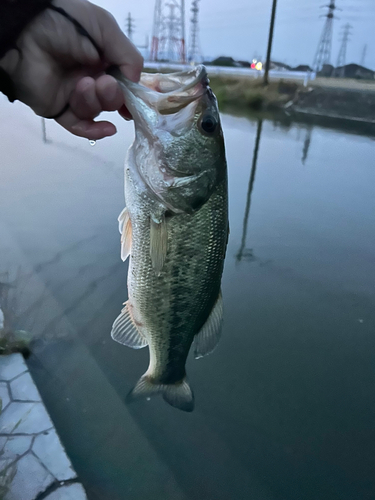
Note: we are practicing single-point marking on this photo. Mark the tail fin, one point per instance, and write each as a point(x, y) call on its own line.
point(178, 395)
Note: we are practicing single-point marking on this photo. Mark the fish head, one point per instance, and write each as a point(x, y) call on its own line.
point(179, 146)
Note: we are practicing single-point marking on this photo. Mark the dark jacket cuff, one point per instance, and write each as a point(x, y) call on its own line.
point(15, 15)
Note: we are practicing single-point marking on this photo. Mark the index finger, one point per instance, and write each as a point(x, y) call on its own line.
point(118, 49)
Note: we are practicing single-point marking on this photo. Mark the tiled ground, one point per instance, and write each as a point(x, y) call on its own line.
point(33, 462)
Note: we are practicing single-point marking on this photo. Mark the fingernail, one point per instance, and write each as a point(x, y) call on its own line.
point(132, 75)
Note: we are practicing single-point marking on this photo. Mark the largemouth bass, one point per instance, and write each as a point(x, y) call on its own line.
point(174, 228)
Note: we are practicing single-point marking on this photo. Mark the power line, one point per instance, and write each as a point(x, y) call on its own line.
point(364, 53)
point(129, 26)
point(168, 32)
point(341, 59)
point(323, 53)
point(194, 45)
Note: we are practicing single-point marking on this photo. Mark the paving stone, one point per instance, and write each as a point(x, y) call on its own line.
point(69, 492)
point(24, 389)
point(11, 366)
point(24, 418)
point(50, 452)
point(30, 480)
point(4, 395)
point(14, 446)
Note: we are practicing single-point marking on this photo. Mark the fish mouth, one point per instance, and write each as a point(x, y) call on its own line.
point(162, 93)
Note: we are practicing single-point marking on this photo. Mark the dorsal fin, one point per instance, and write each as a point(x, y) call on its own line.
point(126, 332)
point(125, 228)
point(158, 243)
point(207, 339)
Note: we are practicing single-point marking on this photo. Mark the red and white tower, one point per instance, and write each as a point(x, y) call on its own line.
point(168, 33)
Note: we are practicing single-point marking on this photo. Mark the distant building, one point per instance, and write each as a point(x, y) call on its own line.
point(354, 71)
point(279, 66)
point(303, 68)
point(326, 71)
point(223, 61)
point(244, 64)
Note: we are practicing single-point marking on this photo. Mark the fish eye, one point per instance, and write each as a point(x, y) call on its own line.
point(208, 124)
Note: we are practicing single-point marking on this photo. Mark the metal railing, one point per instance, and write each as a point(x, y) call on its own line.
point(301, 76)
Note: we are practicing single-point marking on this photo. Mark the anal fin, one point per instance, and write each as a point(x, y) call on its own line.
point(208, 338)
point(124, 330)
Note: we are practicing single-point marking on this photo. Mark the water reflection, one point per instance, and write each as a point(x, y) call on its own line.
point(244, 252)
point(28, 296)
point(78, 301)
point(289, 390)
point(44, 132)
point(6, 308)
point(306, 144)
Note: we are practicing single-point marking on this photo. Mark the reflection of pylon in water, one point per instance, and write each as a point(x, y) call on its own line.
point(323, 53)
point(306, 145)
point(168, 33)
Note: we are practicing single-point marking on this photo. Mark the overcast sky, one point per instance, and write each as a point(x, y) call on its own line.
point(239, 28)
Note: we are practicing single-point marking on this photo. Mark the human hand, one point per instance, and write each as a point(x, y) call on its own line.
point(56, 65)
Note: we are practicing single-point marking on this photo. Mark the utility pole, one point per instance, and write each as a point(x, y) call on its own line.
point(323, 53)
point(194, 46)
point(364, 53)
point(270, 39)
point(341, 59)
point(129, 26)
point(168, 32)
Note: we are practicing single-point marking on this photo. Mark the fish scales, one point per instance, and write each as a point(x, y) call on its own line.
point(173, 307)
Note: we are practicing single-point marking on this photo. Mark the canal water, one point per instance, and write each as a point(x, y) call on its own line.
point(285, 407)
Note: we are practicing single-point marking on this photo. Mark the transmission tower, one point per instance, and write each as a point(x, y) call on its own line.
point(129, 26)
point(168, 32)
point(341, 59)
point(364, 54)
point(194, 45)
point(323, 53)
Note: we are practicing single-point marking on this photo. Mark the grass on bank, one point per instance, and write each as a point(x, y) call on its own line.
point(252, 94)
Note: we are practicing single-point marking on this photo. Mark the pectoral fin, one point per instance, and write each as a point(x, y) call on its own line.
point(125, 228)
point(125, 331)
point(207, 339)
point(158, 244)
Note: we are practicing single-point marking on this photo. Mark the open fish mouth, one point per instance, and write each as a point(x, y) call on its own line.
point(164, 93)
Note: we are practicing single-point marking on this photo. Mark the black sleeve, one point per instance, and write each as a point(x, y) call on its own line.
point(14, 17)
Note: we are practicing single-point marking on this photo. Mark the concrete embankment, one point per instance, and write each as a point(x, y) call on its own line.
point(336, 99)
